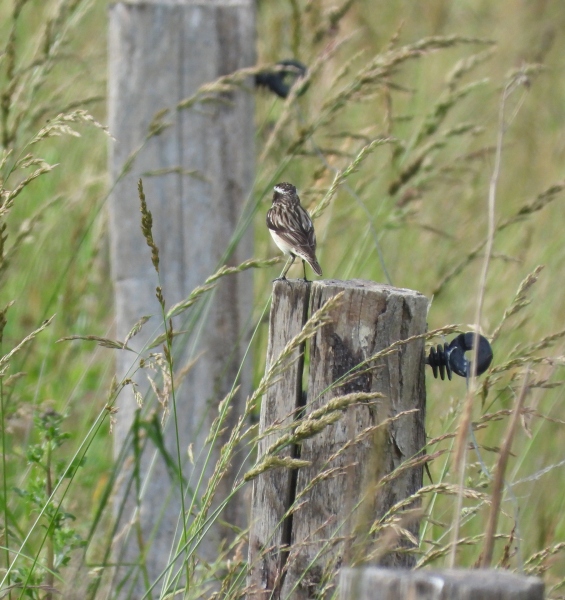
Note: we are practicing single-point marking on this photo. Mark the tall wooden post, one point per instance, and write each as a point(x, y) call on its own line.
point(197, 173)
point(372, 583)
point(338, 497)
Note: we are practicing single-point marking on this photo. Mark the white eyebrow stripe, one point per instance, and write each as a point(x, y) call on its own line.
point(279, 190)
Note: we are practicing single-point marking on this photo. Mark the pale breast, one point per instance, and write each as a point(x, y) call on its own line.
point(280, 242)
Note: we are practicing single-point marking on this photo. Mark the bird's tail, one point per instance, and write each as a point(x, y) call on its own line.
point(315, 266)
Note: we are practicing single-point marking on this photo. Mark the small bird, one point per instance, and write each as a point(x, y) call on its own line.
point(292, 229)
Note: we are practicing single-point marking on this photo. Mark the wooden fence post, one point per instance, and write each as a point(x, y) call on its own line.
point(373, 583)
point(198, 173)
point(336, 499)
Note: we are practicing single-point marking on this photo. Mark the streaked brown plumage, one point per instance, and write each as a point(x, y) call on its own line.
point(291, 228)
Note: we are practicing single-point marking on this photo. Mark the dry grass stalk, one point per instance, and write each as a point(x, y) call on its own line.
point(5, 360)
point(312, 325)
point(498, 483)
point(540, 202)
point(530, 568)
point(464, 423)
point(519, 302)
point(434, 555)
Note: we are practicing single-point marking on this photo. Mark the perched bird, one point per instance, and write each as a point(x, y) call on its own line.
point(292, 229)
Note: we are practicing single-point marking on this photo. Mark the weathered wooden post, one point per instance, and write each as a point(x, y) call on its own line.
point(338, 498)
point(197, 174)
point(373, 583)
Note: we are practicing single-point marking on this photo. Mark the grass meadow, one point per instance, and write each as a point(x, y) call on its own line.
point(462, 199)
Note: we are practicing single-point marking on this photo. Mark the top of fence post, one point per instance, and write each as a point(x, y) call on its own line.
point(339, 496)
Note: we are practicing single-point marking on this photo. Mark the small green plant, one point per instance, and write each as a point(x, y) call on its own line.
point(59, 538)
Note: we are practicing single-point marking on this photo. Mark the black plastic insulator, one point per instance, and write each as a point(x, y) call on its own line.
point(450, 358)
point(281, 81)
point(438, 359)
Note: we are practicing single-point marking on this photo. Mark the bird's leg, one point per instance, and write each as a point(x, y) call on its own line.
point(285, 271)
point(304, 267)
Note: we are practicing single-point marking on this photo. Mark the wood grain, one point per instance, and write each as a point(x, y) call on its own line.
point(272, 491)
point(337, 499)
point(345, 503)
point(372, 583)
point(159, 54)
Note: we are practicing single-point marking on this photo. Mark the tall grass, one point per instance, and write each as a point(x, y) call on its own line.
point(392, 142)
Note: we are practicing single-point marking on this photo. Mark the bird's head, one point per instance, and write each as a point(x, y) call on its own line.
point(284, 192)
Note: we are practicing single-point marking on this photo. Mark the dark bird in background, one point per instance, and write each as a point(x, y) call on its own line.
point(292, 229)
point(281, 81)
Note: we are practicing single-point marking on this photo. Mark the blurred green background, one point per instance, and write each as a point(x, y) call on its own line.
point(425, 227)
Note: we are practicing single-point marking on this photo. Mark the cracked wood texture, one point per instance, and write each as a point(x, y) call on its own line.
point(373, 583)
point(340, 496)
point(198, 173)
point(269, 531)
